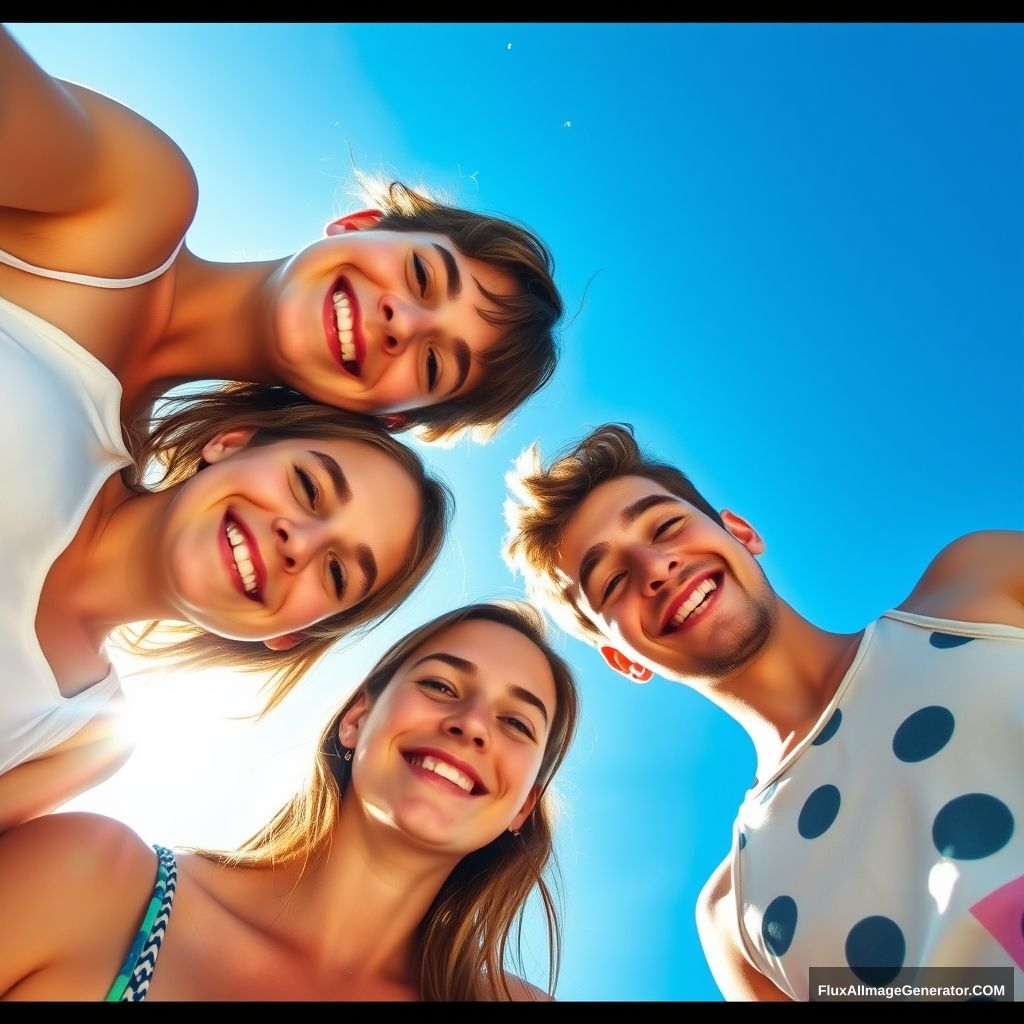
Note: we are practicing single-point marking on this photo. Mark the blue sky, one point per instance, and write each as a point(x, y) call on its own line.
point(793, 255)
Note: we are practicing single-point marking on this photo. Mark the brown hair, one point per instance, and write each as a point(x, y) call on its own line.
point(175, 442)
point(548, 498)
point(523, 361)
point(464, 936)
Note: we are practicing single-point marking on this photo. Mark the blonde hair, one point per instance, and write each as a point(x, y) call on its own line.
point(548, 498)
point(175, 442)
point(524, 360)
point(465, 935)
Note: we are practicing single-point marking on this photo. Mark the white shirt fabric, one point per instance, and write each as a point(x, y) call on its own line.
point(892, 838)
point(60, 440)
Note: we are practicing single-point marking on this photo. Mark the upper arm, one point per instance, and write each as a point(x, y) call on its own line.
point(522, 991)
point(979, 577)
point(48, 142)
point(93, 754)
point(719, 935)
point(59, 877)
point(66, 150)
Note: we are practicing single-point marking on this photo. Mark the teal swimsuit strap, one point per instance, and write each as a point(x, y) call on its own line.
point(133, 979)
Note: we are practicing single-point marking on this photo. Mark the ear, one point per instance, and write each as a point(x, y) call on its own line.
point(526, 810)
point(361, 220)
point(352, 720)
point(283, 643)
point(743, 532)
point(222, 445)
point(632, 670)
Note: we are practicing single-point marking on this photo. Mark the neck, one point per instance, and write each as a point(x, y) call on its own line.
point(780, 694)
point(358, 911)
point(112, 567)
point(220, 328)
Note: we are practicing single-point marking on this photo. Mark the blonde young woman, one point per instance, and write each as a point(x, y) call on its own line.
point(437, 317)
point(280, 526)
point(399, 873)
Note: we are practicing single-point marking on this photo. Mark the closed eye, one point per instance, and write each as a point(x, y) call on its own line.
point(420, 270)
point(519, 725)
point(438, 686)
point(433, 369)
point(612, 584)
point(309, 485)
point(338, 576)
point(665, 526)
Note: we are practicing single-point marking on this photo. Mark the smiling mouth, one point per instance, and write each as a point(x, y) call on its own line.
point(696, 601)
point(244, 559)
point(445, 770)
point(340, 311)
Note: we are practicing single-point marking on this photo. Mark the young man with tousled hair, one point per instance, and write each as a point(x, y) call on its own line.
point(885, 831)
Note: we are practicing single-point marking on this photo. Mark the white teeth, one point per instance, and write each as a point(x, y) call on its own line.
point(243, 558)
point(445, 770)
point(694, 602)
point(343, 323)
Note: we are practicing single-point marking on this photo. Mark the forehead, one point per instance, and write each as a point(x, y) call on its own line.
point(599, 518)
point(502, 655)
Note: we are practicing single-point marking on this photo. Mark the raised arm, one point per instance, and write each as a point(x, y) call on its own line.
point(717, 927)
point(65, 150)
point(93, 754)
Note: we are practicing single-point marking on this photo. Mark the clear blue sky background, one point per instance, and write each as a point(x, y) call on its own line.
point(804, 248)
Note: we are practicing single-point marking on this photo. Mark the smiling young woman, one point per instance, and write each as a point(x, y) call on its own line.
point(437, 317)
point(279, 527)
point(398, 873)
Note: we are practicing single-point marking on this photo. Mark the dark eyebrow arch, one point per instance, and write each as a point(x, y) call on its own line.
point(454, 277)
point(463, 358)
point(368, 567)
point(341, 486)
point(589, 562)
point(529, 698)
point(631, 513)
point(470, 669)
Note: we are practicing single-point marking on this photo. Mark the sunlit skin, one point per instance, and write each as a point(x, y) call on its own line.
point(414, 301)
point(637, 552)
point(326, 524)
point(478, 696)
point(104, 193)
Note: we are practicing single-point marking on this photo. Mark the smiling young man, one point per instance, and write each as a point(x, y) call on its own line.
point(877, 838)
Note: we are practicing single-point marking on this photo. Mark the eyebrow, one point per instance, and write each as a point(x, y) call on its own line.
point(463, 358)
point(520, 692)
point(454, 276)
point(341, 487)
point(368, 566)
point(627, 517)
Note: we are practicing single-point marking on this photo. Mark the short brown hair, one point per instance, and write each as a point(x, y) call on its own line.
point(523, 361)
point(175, 442)
point(548, 498)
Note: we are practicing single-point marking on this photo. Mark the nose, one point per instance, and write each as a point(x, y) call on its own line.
point(297, 542)
point(469, 723)
point(653, 568)
point(403, 322)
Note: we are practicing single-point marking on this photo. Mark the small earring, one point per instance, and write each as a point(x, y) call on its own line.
point(514, 831)
point(348, 754)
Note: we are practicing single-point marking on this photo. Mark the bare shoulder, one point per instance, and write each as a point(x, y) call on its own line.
point(978, 577)
point(66, 881)
point(719, 935)
point(523, 992)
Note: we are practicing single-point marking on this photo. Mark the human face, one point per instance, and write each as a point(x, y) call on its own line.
point(449, 753)
point(671, 589)
point(270, 539)
point(384, 321)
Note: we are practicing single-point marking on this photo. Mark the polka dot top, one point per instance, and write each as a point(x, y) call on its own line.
point(892, 837)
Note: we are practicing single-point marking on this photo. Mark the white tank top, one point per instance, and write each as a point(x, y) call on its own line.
point(87, 279)
point(893, 836)
point(60, 439)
